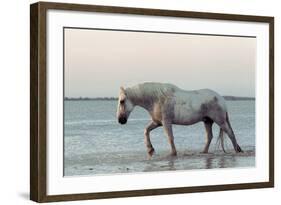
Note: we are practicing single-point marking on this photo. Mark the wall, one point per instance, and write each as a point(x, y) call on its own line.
point(14, 109)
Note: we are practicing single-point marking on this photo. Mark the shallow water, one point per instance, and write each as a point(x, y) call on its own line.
point(94, 143)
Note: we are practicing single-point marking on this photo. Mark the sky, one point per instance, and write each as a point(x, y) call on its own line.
point(98, 62)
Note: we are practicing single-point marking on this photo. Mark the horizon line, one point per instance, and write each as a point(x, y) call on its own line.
point(82, 97)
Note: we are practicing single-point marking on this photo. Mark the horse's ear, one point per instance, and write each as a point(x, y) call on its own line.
point(122, 89)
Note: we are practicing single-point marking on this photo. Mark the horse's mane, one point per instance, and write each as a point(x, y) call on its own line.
point(151, 90)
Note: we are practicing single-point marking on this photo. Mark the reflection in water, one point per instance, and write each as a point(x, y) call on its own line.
point(220, 161)
point(158, 165)
point(209, 161)
point(137, 162)
point(192, 161)
point(172, 164)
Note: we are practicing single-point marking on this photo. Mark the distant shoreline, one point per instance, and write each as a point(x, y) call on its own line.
point(228, 98)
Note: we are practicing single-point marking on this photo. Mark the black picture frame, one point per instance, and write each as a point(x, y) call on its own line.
point(38, 101)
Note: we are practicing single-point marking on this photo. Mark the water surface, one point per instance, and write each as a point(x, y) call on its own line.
point(94, 142)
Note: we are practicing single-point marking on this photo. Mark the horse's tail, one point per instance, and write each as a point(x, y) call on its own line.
point(221, 138)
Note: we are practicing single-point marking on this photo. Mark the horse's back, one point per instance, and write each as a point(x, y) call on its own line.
point(199, 96)
point(193, 106)
point(207, 95)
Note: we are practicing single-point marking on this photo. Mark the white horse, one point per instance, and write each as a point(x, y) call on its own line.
point(168, 104)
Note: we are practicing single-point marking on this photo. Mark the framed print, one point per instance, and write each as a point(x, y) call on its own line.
point(133, 102)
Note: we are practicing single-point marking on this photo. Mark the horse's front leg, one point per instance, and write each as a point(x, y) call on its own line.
point(167, 125)
point(151, 126)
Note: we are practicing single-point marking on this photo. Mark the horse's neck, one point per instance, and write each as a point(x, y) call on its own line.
point(143, 101)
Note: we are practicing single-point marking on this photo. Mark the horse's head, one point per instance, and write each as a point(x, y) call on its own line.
point(124, 108)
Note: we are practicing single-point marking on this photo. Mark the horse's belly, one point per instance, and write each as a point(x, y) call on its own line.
point(184, 115)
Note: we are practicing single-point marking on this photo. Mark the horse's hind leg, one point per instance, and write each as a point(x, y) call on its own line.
point(151, 126)
point(227, 128)
point(208, 123)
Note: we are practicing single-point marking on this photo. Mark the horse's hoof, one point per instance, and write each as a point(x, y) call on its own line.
point(238, 149)
point(173, 154)
point(204, 152)
point(151, 151)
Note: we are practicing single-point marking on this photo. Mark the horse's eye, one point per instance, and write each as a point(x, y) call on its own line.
point(122, 101)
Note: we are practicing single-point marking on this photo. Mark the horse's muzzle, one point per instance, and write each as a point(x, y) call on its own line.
point(122, 120)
